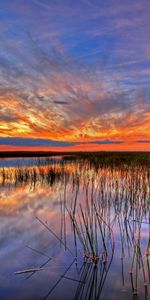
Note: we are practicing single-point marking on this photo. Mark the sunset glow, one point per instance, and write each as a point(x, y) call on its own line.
point(75, 75)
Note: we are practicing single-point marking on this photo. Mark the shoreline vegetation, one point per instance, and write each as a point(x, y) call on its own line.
point(95, 158)
point(71, 153)
point(31, 153)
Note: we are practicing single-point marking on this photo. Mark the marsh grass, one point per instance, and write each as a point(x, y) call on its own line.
point(108, 190)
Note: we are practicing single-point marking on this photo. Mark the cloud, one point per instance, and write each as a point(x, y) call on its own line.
point(78, 77)
point(61, 102)
point(29, 142)
point(143, 141)
point(107, 142)
point(33, 142)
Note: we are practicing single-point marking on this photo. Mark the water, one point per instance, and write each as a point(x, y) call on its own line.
point(99, 217)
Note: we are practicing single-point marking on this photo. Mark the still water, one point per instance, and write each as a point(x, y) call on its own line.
point(72, 230)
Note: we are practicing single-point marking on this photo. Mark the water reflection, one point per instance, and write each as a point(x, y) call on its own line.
point(71, 223)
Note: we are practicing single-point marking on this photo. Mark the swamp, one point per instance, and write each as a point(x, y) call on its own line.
point(77, 224)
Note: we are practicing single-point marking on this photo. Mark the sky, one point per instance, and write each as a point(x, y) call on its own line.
point(75, 75)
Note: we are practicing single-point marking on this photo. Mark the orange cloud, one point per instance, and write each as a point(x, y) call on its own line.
point(64, 101)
